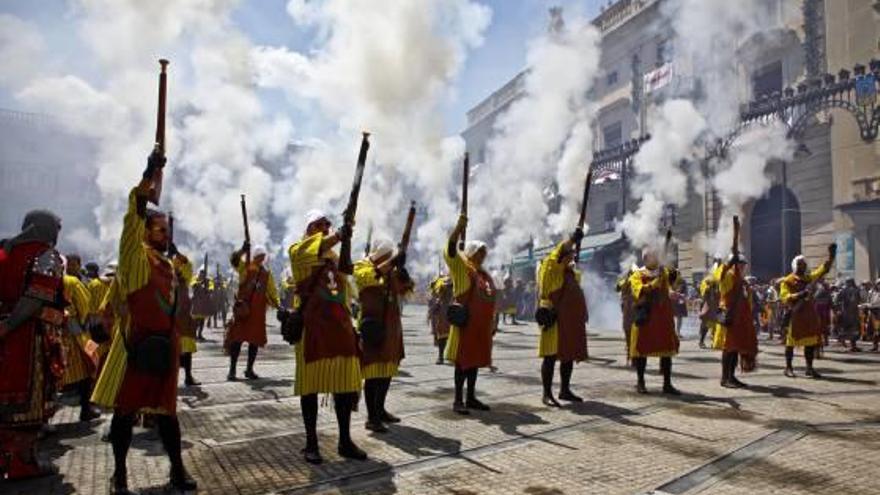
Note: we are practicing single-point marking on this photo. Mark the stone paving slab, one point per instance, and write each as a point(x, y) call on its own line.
point(245, 437)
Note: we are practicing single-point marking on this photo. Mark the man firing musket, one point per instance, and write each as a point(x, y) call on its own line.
point(327, 347)
point(256, 292)
point(382, 279)
point(140, 374)
point(562, 313)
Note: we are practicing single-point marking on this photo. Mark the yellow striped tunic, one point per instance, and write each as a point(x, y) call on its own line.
point(331, 375)
point(132, 275)
point(551, 277)
point(98, 289)
point(364, 277)
point(459, 271)
point(184, 270)
point(786, 295)
point(75, 367)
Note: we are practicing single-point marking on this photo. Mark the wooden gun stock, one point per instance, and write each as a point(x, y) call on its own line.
point(407, 231)
point(583, 218)
point(247, 229)
point(465, 178)
point(159, 146)
point(345, 263)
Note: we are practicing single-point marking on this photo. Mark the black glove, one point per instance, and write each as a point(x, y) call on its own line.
point(400, 261)
point(577, 235)
point(172, 249)
point(245, 247)
point(404, 274)
point(156, 161)
point(832, 251)
point(344, 232)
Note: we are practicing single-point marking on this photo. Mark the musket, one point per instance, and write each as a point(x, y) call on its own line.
point(667, 244)
point(369, 246)
point(407, 231)
point(247, 230)
point(159, 146)
point(735, 248)
point(465, 177)
point(348, 216)
point(583, 218)
point(205, 281)
point(170, 232)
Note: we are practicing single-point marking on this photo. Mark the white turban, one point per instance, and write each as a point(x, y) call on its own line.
point(110, 269)
point(794, 262)
point(259, 249)
point(314, 215)
point(382, 247)
point(471, 248)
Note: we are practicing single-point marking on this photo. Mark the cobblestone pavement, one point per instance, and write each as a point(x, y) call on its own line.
point(780, 436)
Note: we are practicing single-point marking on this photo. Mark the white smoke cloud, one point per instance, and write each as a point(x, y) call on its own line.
point(743, 177)
point(660, 176)
point(20, 45)
point(543, 136)
point(385, 70)
point(218, 131)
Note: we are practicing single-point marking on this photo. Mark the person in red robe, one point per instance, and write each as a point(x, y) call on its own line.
point(140, 375)
point(469, 346)
point(31, 355)
point(653, 329)
point(256, 291)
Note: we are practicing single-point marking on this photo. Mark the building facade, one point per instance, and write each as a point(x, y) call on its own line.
point(827, 193)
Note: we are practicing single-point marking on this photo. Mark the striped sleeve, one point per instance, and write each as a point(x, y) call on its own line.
point(305, 255)
point(785, 292)
point(134, 267)
point(820, 271)
point(97, 291)
point(272, 291)
point(551, 274)
point(184, 269)
point(459, 272)
point(78, 296)
point(365, 274)
point(635, 284)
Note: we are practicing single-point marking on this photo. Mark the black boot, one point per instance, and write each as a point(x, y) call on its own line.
point(734, 361)
point(371, 399)
point(252, 357)
point(725, 370)
point(547, 369)
point(343, 404)
point(565, 393)
point(86, 413)
point(809, 355)
point(186, 364)
point(169, 433)
point(120, 439)
point(458, 405)
point(309, 407)
point(640, 363)
point(234, 351)
point(386, 416)
point(789, 357)
point(441, 348)
point(666, 369)
point(472, 402)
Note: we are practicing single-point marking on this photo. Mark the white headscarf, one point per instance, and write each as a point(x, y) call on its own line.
point(471, 248)
point(110, 269)
point(314, 215)
point(381, 247)
point(259, 249)
point(794, 262)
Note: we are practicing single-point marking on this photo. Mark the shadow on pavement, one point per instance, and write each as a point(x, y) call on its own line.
point(416, 442)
